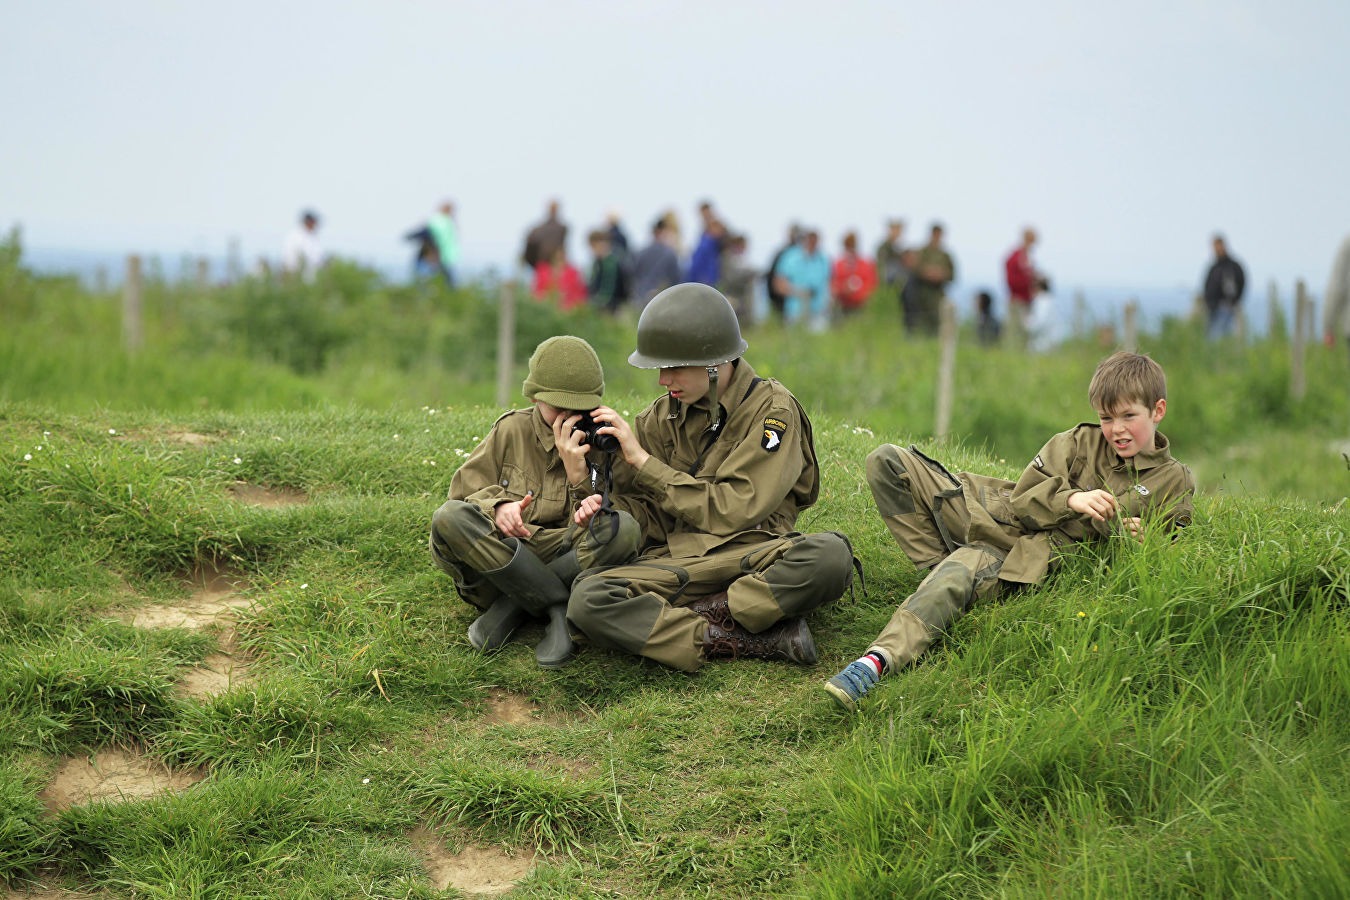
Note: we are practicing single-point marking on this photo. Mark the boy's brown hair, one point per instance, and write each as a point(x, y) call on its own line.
point(1123, 378)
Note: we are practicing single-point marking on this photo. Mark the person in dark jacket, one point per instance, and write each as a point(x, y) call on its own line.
point(777, 299)
point(1224, 285)
point(656, 266)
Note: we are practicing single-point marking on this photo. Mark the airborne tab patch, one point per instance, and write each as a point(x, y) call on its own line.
point(773, 434)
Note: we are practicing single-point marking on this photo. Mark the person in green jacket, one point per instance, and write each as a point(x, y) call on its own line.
point(715, 472)
point(506, 533)
point(976, 533)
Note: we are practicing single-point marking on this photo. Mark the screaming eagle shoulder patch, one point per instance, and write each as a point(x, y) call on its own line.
point(773, 434)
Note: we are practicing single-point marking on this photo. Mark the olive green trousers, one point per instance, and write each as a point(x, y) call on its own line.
point(638, 608)
point(925, 510)
point(465, 543)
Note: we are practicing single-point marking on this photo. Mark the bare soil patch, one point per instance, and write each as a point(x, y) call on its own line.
point(217, 674)
point(511, 709)
point(473, 870)
point(271, 497)
point(112, 774)
point(44, 893)
point(214, 598)
point(188, 438)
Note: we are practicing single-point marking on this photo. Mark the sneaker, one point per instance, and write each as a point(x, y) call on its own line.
point(849, 686)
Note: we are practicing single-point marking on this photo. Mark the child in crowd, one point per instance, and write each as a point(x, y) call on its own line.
point(558, 278)
point(505, 534)
point(975, 532)
point(988, 329)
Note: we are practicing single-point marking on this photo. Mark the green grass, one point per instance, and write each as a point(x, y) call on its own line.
point(1183, 736)
point(1160, 720)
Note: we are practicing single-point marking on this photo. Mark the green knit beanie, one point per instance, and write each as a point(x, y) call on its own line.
point(566, 373)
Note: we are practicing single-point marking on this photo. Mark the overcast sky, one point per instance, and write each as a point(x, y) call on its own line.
point(1127, 133)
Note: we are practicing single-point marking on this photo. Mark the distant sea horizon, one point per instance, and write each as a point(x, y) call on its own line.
point(1103, 302)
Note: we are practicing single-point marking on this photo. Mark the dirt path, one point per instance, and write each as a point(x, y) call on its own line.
point(112, 774)
point(473, 870)
point(214, 601)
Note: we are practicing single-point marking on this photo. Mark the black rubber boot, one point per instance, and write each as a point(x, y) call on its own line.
point(789, 640)
point(567, 567)
point(528, 588)
point(555, 650)
point(492, 629)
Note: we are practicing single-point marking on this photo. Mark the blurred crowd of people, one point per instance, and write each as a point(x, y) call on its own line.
point(802, 285)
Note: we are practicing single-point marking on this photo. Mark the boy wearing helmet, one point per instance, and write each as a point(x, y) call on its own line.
point(715, 472)
point(505, 534)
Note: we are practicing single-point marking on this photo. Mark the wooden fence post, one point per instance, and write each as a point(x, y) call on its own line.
point(1298, 382)
point(1132, 325)
point(506, 341)
point(203, 271)
point(946, 368)
point(234, 262)
point(133, 329)
point(1275, 321)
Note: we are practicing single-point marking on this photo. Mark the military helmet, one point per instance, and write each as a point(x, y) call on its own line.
point(687, 325)
point(566, 373)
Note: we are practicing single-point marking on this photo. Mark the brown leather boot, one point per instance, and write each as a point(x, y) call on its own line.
point(790, 639)
point(714, 608)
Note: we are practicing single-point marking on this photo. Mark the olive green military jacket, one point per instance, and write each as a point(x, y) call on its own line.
point(702, 489)
point(517, 457)
point(1030, 519)
point(934, 256)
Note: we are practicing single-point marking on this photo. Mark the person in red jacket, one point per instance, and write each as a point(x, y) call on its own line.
point(559, 277)
point(1024, 282)
point(853, 278)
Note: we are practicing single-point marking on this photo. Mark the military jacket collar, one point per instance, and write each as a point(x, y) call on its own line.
point(729, 395)
point(542, 429)
point(1159, 454)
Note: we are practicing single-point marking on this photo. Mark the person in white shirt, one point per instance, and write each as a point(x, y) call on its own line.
point(302, 254)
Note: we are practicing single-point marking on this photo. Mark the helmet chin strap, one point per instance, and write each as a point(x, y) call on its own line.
point(714, 411)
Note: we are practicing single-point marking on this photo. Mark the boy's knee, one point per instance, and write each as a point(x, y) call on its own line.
point(831, 559)
point(624, 542)
point(456, 519)
point(888, 477)
point(883, 465)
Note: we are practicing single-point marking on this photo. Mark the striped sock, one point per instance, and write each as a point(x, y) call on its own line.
point(875, 661)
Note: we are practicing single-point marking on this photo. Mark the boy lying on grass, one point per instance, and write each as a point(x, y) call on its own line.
point(505, 535)
point(975, 532)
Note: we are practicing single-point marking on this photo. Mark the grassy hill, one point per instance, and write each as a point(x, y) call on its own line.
point(219, 620)
point(1163, 720)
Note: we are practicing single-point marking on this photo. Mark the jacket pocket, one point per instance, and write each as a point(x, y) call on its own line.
point(516, 482)
point(998, 503)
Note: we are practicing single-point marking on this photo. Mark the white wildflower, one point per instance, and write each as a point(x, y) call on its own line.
point(112, 431)
point(238, 461)
point(396, 437)
point(365, 781)
point(304, 586)
point(27, 457)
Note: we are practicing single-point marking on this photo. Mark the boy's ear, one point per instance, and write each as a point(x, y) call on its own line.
point(1159, 410)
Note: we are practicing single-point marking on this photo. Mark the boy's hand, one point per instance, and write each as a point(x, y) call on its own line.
point(1099, 504)
point(587, 509)
point(614, 424)
point(1134, 526)
point(508, 518)
point(572, 447)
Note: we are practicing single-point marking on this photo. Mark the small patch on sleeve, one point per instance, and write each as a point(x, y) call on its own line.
point(1037, 462)
point(774, 429)
point(1143, 491)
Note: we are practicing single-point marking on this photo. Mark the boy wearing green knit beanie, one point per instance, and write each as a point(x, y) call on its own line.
point(505, 533)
